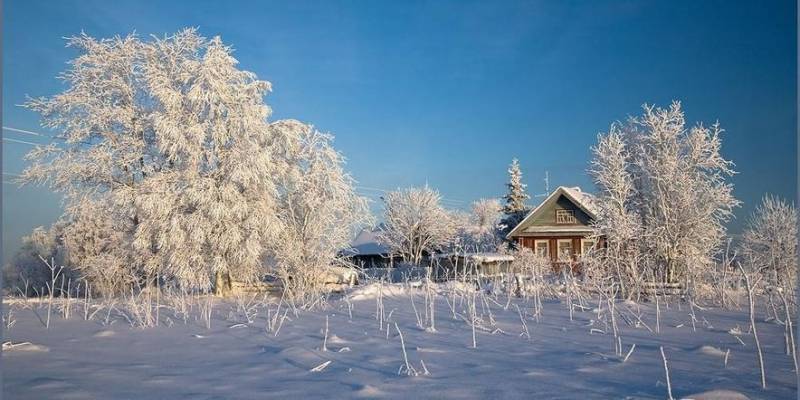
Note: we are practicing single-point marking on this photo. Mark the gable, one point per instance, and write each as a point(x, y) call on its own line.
point(544, 217)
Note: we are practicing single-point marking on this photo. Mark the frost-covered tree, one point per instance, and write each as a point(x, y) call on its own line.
point(105, 144)
point(677, 181)
point(486, 215)
point(516, 196)
point(169, 139)
point(416, 223)
point(171, 170)
point(319, 209)
point(480, 227)
point(684, 195)
point(617, 220)
point(769, 242)
point(514, 207)
point(211, 211)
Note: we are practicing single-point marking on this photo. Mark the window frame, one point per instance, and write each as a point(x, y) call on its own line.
point(584, 241)
point(568, 220)
point(558, 250)
point(546, 247)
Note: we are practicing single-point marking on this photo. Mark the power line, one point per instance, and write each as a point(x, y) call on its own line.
point(8, 128)
point(21, 142)
point(372, 188)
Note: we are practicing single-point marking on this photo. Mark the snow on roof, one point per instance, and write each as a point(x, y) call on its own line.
point(366, 243)
point(587, 200)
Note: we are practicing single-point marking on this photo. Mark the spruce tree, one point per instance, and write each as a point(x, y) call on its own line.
point(514, 208)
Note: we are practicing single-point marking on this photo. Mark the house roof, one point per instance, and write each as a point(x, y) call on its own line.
point(584, 201)
point(366, 243)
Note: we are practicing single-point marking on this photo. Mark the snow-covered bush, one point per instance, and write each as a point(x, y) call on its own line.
point(26, 273)
point(769, 243)
point(665, 183)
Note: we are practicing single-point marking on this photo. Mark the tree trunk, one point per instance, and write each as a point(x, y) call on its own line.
point(222, 284)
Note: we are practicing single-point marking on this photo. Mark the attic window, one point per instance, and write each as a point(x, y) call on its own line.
point(565, 217)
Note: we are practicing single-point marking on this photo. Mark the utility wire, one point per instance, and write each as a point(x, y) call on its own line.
point(21, 142)
point(8, 128)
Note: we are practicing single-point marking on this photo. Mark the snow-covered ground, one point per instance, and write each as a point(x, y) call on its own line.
point(77, 359)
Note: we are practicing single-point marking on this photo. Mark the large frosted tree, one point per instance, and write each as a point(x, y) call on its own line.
point(105, 147)
point(666, 185)
point(166, 159)
point(211, 211)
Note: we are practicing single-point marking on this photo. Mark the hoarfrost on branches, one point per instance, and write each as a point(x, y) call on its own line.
point(170, 169)
point(210, 209)
point(478, 230)
point(319, 210)
point(769, 243)
point(668, 182)
point(617, 219)
point(416, 223)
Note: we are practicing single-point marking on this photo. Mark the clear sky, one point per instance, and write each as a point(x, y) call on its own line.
point(449, 92)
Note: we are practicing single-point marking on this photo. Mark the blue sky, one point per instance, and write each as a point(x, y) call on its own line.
point(449, 92)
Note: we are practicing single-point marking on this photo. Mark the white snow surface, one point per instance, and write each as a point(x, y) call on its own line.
point(562, 360)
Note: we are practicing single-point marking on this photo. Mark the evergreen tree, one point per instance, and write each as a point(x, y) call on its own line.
point(514, 208)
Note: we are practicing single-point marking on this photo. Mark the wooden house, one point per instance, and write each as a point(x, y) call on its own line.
point(560, 227)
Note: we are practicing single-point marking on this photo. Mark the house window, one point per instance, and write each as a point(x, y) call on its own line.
point(564, 249)
point(565, 217)
point(587, 245)
point(542, 247)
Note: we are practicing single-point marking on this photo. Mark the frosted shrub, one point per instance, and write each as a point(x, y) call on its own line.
point(770, 242)
point(26, 270)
